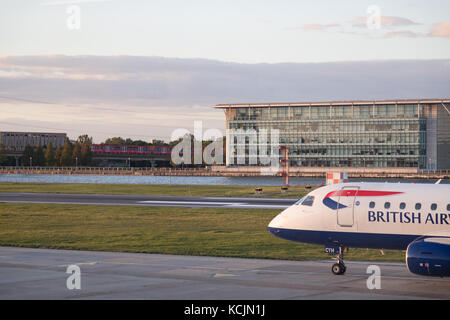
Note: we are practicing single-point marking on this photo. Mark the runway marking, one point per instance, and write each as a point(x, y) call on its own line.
point(79, 264)
point(189, 202)
point(360, 276)
point(208, 203)
point(351, 275)
point(224, 275)
point(263, 206)
point(156, 203)
point(70, 202)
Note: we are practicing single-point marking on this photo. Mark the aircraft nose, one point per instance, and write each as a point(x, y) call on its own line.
point(276, 224)
point(279, 221)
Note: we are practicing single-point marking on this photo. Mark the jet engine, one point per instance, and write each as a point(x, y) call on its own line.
point(429, 256)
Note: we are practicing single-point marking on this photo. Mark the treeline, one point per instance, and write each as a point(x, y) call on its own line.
point(3, 158)
point(79, 153)
point(71, 154)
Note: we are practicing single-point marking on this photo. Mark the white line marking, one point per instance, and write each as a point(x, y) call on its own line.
point(80, 263)
point(189, 202)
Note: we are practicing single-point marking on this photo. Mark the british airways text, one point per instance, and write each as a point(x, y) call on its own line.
point(408, 217)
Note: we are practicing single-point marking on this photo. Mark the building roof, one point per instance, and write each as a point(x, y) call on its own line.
point(328, 103)
point(34, 133)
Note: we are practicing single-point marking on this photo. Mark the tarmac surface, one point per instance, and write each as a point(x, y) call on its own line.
point(141, 200)
point(41, 274)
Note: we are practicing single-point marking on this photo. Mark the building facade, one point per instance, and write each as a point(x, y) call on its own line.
point(17, 141)
point(402, 133)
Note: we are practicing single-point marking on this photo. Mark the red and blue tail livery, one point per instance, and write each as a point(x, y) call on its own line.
point(334, 205)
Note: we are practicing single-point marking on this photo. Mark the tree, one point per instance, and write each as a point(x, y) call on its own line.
point(86, 155)
point(39, 156)
point(58, 154)
point(139, 143)
point(50, 155)
point(66, 154)
point(84, 139)
point(27, 155)
point(2, 154)
point(115, 141)
point(76, 154)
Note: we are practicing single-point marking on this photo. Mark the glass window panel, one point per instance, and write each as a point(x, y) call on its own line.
point(273, 113)
point(347, 111)
point(338, 112)
point(324, 112)
point(362, 112)
point(314, 112)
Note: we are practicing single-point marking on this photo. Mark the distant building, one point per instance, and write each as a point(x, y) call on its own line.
point(156, 141)
point(17, 141)
point(388, 133)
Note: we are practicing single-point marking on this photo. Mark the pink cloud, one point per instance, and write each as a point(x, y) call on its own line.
point(357, 26)
point(314, 27)
point(361, 22)
point(440, 29)
point(401, 33)
point(317, 26)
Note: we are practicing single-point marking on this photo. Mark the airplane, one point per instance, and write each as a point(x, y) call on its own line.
point(411, 217)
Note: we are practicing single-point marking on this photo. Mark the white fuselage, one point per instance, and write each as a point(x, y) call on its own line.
point(367, 215)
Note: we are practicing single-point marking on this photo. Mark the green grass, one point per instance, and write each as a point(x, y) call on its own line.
point(184, 231)
point(146, 189)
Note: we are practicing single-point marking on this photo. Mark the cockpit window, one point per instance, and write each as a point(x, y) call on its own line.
point(300, 201)
point(309, 200)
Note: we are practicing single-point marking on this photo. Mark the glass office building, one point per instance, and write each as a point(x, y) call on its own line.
point(403, 133)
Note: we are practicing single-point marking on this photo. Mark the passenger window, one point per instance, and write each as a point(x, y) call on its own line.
point(418, 206)
point(387, 205)
point(434, 206)
point(402, 205)
point(309, 200)
point(372, 204)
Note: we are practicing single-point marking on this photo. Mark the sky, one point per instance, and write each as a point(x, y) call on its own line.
point(142, 69)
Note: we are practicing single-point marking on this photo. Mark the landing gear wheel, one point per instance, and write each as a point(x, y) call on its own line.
point(338, 268)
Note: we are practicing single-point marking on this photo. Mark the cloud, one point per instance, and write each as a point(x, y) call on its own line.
point(388, 27)
point(385, 21)
point(441, 29)
point(147, 82)
point(401, 33)
point(316, 26)
point(150, 96)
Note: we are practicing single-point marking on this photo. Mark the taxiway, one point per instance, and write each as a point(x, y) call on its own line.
point(41, 274)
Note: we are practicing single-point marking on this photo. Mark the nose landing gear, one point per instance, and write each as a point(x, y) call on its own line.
point(339, 267)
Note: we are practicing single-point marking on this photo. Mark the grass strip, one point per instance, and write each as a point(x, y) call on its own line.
point(164, 230)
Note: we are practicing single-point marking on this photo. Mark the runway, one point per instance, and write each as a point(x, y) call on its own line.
point(141, 200)
point(41, 274)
